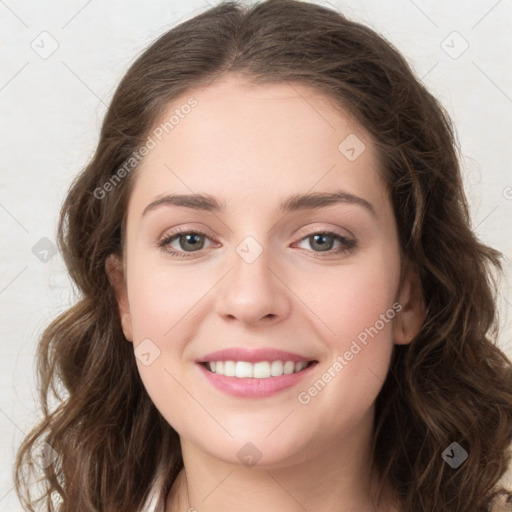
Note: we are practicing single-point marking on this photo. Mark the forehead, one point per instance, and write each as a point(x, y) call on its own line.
point(254, 139)
point(245, 115)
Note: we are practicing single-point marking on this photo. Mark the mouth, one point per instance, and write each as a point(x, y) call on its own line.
point(257, 373)
point(258, 370)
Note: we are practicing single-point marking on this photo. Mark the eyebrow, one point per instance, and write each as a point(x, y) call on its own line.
point(296, 202)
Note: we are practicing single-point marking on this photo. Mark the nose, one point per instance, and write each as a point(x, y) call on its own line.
point(254, 292)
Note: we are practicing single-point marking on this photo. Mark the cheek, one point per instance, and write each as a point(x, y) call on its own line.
point(351, 299)
point(162, 298)
point(162, 309)
point(154, 308)
point(367, 295)
point(358, 305)
point(360, 309)
point(164, 304)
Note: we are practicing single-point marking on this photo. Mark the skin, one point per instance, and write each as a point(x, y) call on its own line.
point(252, 147)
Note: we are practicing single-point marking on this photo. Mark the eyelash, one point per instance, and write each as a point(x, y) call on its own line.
point(347, 244)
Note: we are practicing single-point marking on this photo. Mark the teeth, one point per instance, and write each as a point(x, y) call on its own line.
point(300, 366)
point(229, 368)
point(289, 367)
point(276, 368)
point(243, 369)
point(260, 370)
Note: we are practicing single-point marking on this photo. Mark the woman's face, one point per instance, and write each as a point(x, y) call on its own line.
point(286, 261)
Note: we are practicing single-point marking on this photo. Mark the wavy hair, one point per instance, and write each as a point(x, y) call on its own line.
point(451, 384)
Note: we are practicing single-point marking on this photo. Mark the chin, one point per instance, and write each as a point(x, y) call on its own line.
point(256, 450)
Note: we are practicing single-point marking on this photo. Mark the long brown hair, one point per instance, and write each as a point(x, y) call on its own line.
point(451, 384)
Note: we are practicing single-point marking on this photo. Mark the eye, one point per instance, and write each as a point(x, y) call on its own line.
point(188, 241)
point(192, 242)
point(323, 242)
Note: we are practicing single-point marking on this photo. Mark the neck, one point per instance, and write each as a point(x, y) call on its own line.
point(332, 479)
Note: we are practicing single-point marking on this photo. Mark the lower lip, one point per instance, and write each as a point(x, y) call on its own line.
point(255, 388)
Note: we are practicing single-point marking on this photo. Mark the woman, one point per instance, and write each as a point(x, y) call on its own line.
point(282, 303)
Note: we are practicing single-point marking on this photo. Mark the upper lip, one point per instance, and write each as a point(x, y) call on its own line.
point(253, 355)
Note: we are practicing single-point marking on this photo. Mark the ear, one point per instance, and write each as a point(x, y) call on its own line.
point(410, 318)
point(115, 272)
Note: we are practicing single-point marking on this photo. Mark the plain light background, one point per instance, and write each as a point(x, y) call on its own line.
point(61, 62)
